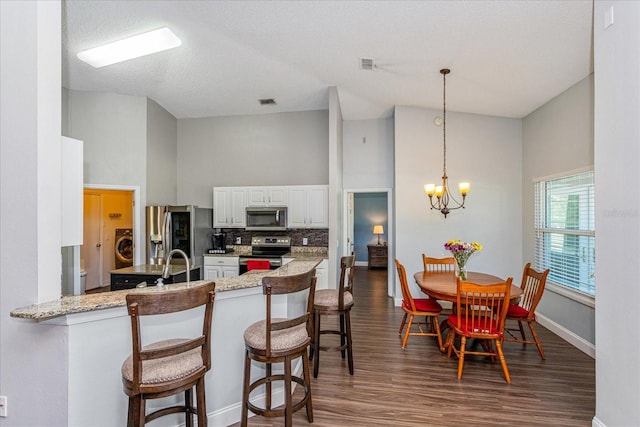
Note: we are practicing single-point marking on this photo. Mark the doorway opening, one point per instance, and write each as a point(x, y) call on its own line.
point(111, 228)
point(364, 209)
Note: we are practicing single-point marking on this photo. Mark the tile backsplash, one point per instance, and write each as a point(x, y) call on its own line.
point(315, 236)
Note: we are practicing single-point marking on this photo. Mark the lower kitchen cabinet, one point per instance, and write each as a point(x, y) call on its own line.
point(322, 275)
point(220, 266)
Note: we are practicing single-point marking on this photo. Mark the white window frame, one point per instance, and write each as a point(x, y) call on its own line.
point(541, 229)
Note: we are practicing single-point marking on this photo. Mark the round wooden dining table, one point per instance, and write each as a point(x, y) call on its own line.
point(442, 285)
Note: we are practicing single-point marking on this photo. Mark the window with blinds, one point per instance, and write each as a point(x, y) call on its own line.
point(565, 230)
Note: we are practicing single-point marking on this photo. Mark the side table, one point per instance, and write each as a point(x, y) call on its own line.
point(378, 256)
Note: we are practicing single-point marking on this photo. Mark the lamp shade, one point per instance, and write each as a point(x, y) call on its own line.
point(378, 229)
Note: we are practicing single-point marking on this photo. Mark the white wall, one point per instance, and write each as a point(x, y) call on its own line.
point(617, 172)
point(335, 170)
point(268, 149)
point(368, 153)
point(162, 150)
point(557, 138)
point(484, 150)
point(33, 357)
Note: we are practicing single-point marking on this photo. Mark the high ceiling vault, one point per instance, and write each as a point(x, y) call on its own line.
point(507, 58)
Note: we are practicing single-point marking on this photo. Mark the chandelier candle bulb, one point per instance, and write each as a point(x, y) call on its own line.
point(439, 191)
point(464, 188)
point(429, 189)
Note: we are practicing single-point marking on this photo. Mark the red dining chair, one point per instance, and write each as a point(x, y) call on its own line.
point(412, 307)
point(480, 314)
point(532, 285)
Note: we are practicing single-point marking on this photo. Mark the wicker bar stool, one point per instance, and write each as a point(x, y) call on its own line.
point(170, 366)
point(335, 302)
point(276, 340)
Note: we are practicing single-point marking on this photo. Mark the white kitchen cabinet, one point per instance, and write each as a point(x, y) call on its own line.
point(220, 266)
point(322, 275)
point(308, 206)
point(267, 196)
point(229, 204)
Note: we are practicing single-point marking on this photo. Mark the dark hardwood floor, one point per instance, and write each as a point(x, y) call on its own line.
point(417, 385)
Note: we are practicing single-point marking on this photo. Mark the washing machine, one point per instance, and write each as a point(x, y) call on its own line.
point(124, 247)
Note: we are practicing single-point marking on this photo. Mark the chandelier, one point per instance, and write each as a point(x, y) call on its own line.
point(441, 192)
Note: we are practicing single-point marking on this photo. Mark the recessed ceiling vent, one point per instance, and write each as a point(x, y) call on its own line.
point(267, 101)
point(367, 64)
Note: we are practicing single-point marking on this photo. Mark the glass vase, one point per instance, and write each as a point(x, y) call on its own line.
point(461, 271)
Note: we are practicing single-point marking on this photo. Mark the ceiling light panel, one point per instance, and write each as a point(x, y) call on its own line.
point(130, 48)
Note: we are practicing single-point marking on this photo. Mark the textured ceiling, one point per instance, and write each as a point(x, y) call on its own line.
point(506, 57)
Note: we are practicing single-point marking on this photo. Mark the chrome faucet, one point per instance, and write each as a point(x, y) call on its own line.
point(165, 269)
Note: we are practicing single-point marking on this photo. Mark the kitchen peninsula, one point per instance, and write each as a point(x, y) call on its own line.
point(98, 331)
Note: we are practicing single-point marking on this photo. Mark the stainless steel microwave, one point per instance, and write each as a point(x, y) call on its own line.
point(273, 218)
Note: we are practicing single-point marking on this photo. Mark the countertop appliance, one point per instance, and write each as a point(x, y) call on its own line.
point(267, 248)
point(272, 218)
point(219, 242)
point(185, 227)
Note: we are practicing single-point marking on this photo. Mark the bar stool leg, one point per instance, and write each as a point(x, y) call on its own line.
point(342, 334)
point(347, 317)
point(307, 381)
point(201, 402)
point(188, 403)
point(288, 404)
point(245, 391)
point(316, 344)
point(268, 386)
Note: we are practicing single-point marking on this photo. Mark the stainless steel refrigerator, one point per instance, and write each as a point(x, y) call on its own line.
point(178, 227)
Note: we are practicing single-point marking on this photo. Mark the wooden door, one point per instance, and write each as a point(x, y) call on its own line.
point(92, 249)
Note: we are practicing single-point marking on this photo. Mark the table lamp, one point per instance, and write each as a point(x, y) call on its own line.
point(378, 229)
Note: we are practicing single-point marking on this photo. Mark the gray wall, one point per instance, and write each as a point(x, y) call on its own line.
point(484, 150)
point(269, 149)
point(617, 172)
point(558, 138)
point(368, 153)
point(114, 130)
point(162, 151)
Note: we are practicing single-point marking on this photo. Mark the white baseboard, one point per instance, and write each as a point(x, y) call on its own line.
point(361, 264)
point(233, 413)
point(570, 337)
point(595, 422)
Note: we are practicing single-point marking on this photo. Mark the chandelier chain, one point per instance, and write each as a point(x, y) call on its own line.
point(444, 122)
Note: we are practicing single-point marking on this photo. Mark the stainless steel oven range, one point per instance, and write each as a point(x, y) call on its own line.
point(266, 248)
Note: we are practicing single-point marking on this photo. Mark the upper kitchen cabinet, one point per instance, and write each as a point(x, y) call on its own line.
point(308, 206)
point(267, 196)
point(229, 204)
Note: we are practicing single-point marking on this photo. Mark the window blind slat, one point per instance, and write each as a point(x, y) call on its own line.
point(564, 224)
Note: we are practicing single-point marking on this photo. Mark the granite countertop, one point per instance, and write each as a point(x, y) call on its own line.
point(153, 269)
point(91, 302)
